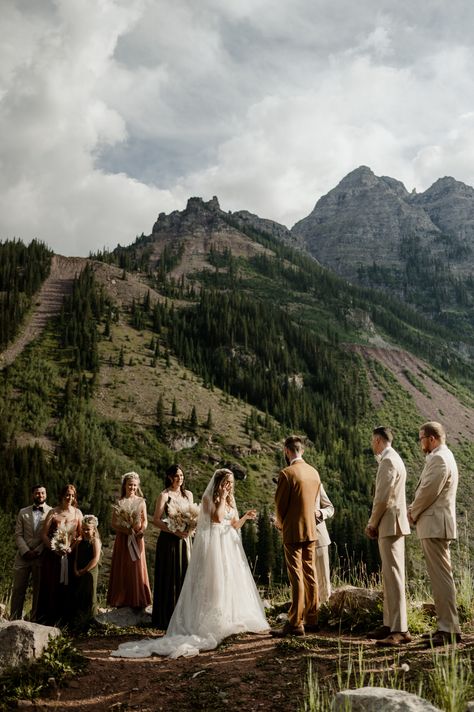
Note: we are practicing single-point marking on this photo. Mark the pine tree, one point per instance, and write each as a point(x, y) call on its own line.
point(193, 419)
point(121, 358)
point(209, 424)
point(174, 409)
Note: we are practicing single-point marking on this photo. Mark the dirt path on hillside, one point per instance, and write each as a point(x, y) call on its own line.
point(436, 403)
point(248, 672)
point(46, 303)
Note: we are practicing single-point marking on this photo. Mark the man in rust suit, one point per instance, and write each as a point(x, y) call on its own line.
point(295, 498)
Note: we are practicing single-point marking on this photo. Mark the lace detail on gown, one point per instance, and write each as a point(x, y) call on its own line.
point(219, 598)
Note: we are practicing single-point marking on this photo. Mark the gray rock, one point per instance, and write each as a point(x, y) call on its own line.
point(124, 617)
point(470, 707)
point(374, 699)
point(21, 641)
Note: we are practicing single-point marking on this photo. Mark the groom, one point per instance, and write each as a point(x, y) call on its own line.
point(295, 497)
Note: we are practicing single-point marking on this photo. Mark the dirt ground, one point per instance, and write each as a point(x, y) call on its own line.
point(247, 672)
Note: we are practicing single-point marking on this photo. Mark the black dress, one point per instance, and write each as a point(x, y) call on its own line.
point(171, 564)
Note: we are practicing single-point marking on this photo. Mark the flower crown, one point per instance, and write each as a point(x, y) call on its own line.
point(131, 475)
point(90, 519)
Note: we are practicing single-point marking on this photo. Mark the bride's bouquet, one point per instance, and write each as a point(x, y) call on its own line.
point(182, 516)
point(126, 514)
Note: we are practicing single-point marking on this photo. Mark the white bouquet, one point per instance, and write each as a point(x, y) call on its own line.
point(182, 516)
point(60, 540)
point(127, 514)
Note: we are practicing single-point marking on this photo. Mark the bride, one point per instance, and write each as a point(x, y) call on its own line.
point(219, 596)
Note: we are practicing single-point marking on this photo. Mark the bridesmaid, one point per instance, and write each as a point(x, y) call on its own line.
point(128, 582)
point(56, 594)
point(86, 570)
point(172, 550)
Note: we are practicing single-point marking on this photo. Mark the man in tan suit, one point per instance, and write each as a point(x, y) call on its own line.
point(29, 524)
point(295, 498)
point(434, 512)
point(389, 524)
point(323, 510)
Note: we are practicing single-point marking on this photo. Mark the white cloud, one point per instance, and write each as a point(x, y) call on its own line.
point(115, 110)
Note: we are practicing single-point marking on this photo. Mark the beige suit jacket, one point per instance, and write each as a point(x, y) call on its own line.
point(325, 506)
point(295, 498)
point(27, 536)
point(389, 508)
point(434, 506)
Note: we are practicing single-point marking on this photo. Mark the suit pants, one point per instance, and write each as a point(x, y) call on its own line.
point(323, 575)
point(438, 562)
point(300, 564)
point(21, 577)
point(392, 554)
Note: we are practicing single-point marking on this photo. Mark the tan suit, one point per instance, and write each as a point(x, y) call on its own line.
point(323, 575)
point(28, 529)
point(434, 512)
point(295, 497)
point(389, 518)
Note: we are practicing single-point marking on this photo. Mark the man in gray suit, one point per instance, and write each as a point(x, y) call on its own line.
point(29, 524)
point(389, 524)
point(324, 509)
point(433, 510)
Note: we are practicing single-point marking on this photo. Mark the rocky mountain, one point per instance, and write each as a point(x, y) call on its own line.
point(370, 230)
point(364, 219)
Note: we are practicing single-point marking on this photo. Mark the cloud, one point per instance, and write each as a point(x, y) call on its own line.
point(115, 110)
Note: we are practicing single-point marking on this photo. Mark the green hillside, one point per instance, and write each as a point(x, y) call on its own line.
point(214, 358)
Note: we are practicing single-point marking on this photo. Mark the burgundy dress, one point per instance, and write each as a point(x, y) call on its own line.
point(128, 582)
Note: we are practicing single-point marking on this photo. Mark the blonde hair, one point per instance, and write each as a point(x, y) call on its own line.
point(435, 430)
point(130, 476)
point(90, 520)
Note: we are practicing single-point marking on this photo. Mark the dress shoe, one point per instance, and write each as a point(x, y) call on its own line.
point(288, 630)
point(395, 639)
point(379, 633)
point(444, 637)
point(312, 627)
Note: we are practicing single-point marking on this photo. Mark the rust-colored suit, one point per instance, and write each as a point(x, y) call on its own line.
point(295, 497)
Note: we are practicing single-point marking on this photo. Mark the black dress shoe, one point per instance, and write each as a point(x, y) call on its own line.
point(288, 630)
point(312, 627)
point(444, 637)
point(379, 633)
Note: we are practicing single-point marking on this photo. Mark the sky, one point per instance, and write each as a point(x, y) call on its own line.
point(112, 111)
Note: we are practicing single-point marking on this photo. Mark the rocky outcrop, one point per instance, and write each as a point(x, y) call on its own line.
point(366, 219)
point(450, 205)
point(21, 641)
point(361, 220)
point(374, 699)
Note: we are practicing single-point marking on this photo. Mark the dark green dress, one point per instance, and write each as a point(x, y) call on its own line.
point(86, 585)
point(171, 564)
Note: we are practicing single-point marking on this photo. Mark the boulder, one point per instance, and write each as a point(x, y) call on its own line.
point(124, 617)
point(374, 699)
point(21, 641)
point(350, 607)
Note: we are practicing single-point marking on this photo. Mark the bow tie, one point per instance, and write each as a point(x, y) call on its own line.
point(38, 508)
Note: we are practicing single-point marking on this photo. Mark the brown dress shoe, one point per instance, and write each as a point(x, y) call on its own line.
point(288, 630)
point(312, 627)
point(379, 633)
point(395, 639)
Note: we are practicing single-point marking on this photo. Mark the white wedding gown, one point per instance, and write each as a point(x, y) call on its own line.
point(219, 597)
